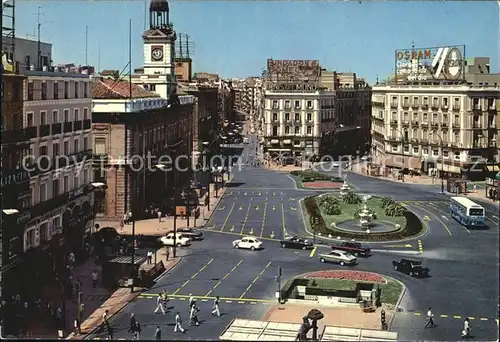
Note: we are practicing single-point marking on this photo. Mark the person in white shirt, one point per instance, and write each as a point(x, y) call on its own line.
point(178, 323)
point(159, 304)
point(150, 257)
point(159, 216)
point(466, 330)
point(215, 308)
point(191, 300)
point(430, 319)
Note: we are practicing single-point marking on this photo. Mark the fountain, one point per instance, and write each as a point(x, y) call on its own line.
point(365, 217)
point(345, 188)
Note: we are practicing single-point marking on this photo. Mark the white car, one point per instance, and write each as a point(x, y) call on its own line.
point(180, 240)
point(336, 165)
point(248, 243)
point(338, 256)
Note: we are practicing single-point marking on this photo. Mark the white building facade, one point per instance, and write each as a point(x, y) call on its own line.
point(294, 122)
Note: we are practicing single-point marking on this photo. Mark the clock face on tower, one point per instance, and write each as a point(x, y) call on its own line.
point(157, 53)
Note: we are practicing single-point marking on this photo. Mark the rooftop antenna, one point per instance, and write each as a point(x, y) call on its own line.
point(39, 26)
point(187, 44)
point(180, 45)
point(86, 45)
point(130, 58)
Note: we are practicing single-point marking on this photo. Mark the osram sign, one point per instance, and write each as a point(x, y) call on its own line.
point(430, 64)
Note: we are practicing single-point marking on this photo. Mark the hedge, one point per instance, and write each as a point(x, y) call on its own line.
point(311, 176)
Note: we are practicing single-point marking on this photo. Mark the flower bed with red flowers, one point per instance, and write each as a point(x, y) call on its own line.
point(322, 185)
point(359, 276)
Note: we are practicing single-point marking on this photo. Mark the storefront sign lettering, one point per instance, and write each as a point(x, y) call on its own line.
point(14, 178)
point(82, 218)
point(414, 54)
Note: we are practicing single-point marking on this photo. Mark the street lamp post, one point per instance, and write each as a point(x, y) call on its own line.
point(403, 153)
point(442, 160)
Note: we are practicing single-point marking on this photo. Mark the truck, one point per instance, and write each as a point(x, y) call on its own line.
point(355, 248)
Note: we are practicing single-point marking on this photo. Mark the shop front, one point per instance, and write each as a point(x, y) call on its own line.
point(77, 224)
point(492, 188)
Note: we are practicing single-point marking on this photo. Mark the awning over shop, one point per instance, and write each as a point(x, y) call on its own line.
point(279, 149)
point(398, 161)
point(449, 168)
point(493, 168)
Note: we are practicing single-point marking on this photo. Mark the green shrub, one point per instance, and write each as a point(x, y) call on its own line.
point(351, 198)
point(310, 175)
point(295, 173)
point(385, 201)
point(394, 210)
point(332, 209)
point(327, 200)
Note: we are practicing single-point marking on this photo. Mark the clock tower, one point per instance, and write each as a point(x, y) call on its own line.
point(159, 52)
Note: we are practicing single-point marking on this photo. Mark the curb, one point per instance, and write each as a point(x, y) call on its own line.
point(397, 303)
point(136, 294)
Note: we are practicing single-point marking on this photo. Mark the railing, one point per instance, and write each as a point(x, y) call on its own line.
point(48, 205)
point(77, 126)
point(394, 122)
point(434, 106)
point(100, 158)
point(44, 130)
point(11, 137)
point(394, 105)
point(476, 126)
point(455, 125)
point(456, 108)
point(492, 111)
point(405, 123)
point(56, 128)
point(31, 132)
point(444, 125)
point(434, 125)
point(86, 124)
point(68, 127)
point(415, 123)
point(425, 106)
point(424, 123)
point(406, 105)
point(414, 140)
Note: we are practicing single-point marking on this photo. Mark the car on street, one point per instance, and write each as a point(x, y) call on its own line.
point(180, 240)
point(296, 242)
point(355, 248)
point(191, 233)
point(338, 256)
point(248, 242)
point(411, 267)
point(245, 140)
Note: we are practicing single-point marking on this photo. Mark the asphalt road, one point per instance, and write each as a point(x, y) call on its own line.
point(464, 263)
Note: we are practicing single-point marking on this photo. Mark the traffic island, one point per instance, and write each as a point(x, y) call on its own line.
point(315, 180)
point(350, 217)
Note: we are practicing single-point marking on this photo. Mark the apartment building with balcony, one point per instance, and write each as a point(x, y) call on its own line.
point(449, 129)
point(130, 124)
point(295, 122)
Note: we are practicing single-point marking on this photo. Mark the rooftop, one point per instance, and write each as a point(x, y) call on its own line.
point(118, 89)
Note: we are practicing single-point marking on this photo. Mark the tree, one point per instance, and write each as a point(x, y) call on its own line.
point(385, 201)
point(394, 210)
point(351, 198)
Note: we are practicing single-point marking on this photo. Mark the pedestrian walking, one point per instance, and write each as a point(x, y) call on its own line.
point(215, 308)
point(158, 333)
point(466, 329)
point(132, 323)
point(159, 216)
point(95, 278)
point(110, 333)
point(475, 188)
point(150, 257)
point(167, 252)
point(191, 300)
point(125, 218)
point(430, 319)
point(137, 331)
point(164, 299)
point(159, 304)
point(178, 323)
point(105, 321)
point(193, 315)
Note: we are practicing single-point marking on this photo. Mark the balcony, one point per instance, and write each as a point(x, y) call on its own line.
point(455, 125)
point(44, 130)
point(100, 159)
point(68, 127)
point(414, 124)
point(56, 128)
point(406, 123)
point(77, 126)
point(80, 156)
point(424, 124)
point(435, 106)
point(87, 124)
point(376, 118)
point(394, 105)
point(406, 104)
point(434, 125)
point(444, 125)
point(12, 137)
point(425, 106)
point(455, 108)
point(394, 122)
point(48, 205)
point(492, 111)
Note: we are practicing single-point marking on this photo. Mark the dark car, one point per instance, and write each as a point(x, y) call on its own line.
point(296, 242)
point(355, 248)
point(191, 233)
point(411, 267)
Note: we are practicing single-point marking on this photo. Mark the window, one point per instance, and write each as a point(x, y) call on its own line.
point(407, 148)
point(309, 104)
point(275, 104)
point(296, 142)
point(297, 130)
point(55, 187)
point(275, 116)
point(475, 103)
point(42, 195)
point(66, 115)
point(425, 150)
point(43, 118)
point(426, 117)
point(66, 148)
point(415, 101)
point(30, 238)
point(66, 184)
point(309, 130)
point(491, 103)
point(415, 150)
point(445, 102)
point(394, 147)
point(297, 117)
point(55, 225)
point(297, 105)
point(457, 155)
point(415, 117)
point(426, 101)
point(99, 145)
point(287, 104)
point(86, 89)
point(425, 134)
point(56, 90)
point(394, 116)
point(445, 154)
point(405, 117)
point(76, 145)
point(16, 91)
point(44, 232)
point(66, 90)
point(309, 116)
point(85, 143)
point(76, 113)
point(456, 137)
point(29, 120)
point(85, 176)
point(55, 116)
point(55, 149)
point(30, 91)
point(435, 152)
point(77, 181)
point(434, 117)
point(85, 113)
point(43, 151)
point(287, 129)
point(287, 116)
point(275, 131)
point(44, 90)
point(77, 89)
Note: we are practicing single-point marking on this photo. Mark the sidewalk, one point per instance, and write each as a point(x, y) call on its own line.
point(153, 227)
point(116, 302)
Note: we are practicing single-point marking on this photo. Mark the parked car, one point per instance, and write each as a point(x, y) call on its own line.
point(248, 243)
point(191, 233)
point(411, 267)
point(180, 240)
point(355, 248)
point(338, 256)
point(296, 242)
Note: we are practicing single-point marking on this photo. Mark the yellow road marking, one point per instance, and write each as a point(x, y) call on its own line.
point(457, 317)
point(194, 275)
point(224, 278)
point(263, 220)
point(227, 218)
point(444, 316)
point(441, 221)
point(208, 293)
point(417, 313)
point(420, 248)
point(312, 252)
point(256, 278)
point(470, 317)
point(246, 217)
point(483, 319)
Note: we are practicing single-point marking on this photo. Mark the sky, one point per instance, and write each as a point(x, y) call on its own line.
point(235, 38)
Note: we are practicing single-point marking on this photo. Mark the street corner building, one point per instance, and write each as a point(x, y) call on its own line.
point(47, 196)
point(437, 121)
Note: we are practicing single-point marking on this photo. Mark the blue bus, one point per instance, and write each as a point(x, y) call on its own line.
point(467, 212)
